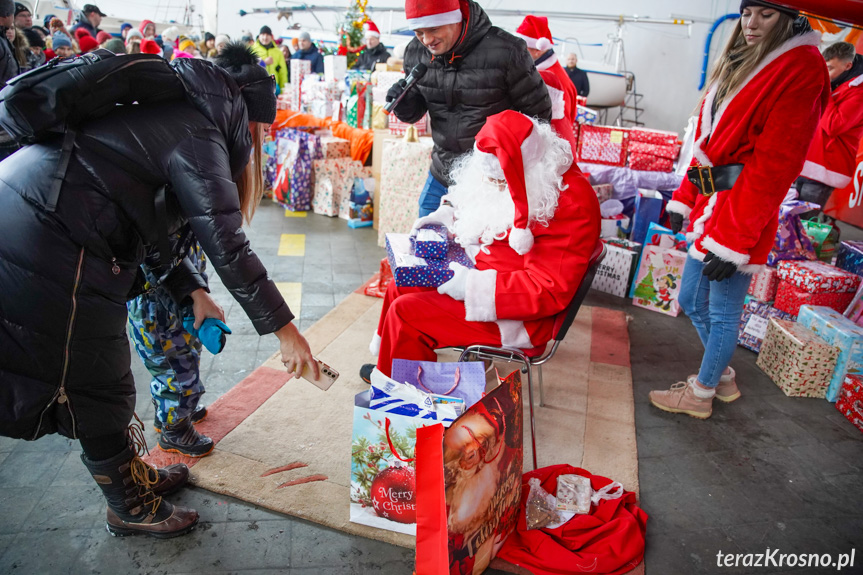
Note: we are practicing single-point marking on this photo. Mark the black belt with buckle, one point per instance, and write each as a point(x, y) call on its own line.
point(712, 179)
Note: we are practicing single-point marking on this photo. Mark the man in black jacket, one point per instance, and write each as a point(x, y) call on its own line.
point(375, 52)
point(91, 20)
point(577, 76)
point(475, 70)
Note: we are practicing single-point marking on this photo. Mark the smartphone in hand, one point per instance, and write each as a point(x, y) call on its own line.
point(326, 380)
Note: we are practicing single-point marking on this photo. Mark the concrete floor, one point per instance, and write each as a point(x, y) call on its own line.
point(765, 471)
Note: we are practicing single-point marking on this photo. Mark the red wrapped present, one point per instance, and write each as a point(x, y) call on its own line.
point(670, 151)
point(650, 163)
point(379, 284)
point(657, 137)
point(850, 402)
point(818, 277)
point(764, 284)
point(603, 145)
point(789, 298)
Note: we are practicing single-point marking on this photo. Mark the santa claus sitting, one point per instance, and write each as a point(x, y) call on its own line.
point(529, 220)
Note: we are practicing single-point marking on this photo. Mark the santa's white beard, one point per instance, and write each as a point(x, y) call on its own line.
point(470, 503)
point(485, 213)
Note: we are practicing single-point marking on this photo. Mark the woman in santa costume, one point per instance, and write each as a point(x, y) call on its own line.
point(757, 120)
point(529, 220)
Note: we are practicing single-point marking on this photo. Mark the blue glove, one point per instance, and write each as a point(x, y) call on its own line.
point(211, 333)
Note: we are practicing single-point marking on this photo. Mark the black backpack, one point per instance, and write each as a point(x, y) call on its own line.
point(53, 100)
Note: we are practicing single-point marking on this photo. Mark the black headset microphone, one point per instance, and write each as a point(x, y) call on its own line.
point(418, 72)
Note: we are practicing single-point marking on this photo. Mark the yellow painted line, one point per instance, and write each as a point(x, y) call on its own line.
point(293, 294)
point(290, 214)
point(292, 245)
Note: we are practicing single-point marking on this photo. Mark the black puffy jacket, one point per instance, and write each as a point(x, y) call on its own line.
point(371, 57)
point(488, 71)
point(65, 275)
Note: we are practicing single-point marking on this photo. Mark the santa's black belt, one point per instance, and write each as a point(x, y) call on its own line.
point(712, 179)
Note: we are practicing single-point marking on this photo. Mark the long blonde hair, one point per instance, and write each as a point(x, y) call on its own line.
point(251, 183)
point(739, 59)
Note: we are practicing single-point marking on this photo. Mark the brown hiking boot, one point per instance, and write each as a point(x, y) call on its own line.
point(127, 483)
point(682, 399)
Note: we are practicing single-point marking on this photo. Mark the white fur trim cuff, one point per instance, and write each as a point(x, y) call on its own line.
point(479, 304)
point(520, 240)
point(375, 345)
point(695, 254)
point(724, 253)
point(513, 334)
point(821, 174)
point(435, 20)
point(676, 207)
point(752, 269)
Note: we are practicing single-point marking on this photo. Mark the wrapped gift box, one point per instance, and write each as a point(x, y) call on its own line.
point(404, 170)
point(818, 277)
point(335, 67)
point(789, 298)
point(585, 115)
point(431, 242)
point(364, 174)
point(796, 359)
point(334, 148)
point(764, 284)
point(614, 275)
point(333, 182)
point(655, 137)
point(843, 334)
point(398, 128)
point(412, 271)
point(610, 227)
point(299, 70)
point(625, 244)
point(754, 321)
point(850, 257)
point(657, 284)
point(669, 152)
point(603, 192)
point(850, 401)
point(650, 163)
point(603, 145)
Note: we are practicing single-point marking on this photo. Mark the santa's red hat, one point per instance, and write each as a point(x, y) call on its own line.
point(506, 143)
point(432, 13)
point(534, 30)
point(87, 43)
point(371, 29)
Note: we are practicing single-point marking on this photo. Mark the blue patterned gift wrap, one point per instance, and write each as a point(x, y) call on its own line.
point(850, 257)
point(412, 271)
point(840, 332)
point(754, 321)
point(431, 242)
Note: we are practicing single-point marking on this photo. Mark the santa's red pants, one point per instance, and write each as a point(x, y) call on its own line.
point(415, 321)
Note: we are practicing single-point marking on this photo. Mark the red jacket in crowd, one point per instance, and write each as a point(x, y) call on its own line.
point(833, 156)
point(767, 126)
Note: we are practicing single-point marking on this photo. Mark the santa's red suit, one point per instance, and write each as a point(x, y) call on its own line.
point(535, 32)
point(832, 158)
point(509, 299)
point(767, 125)
point(560, 122)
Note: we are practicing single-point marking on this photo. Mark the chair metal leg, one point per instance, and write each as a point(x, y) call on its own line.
point(541, 394)
point(530, 400)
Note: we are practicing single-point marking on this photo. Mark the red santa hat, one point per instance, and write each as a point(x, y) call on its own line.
point(534, 30)
point(371, 29)
point(432, 13)
point(149, 46)
point(506, 143)
point(87, 43)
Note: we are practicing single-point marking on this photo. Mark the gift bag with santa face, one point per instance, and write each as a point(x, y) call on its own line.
point(383, 472)
point(469, 484)
point(657, 283)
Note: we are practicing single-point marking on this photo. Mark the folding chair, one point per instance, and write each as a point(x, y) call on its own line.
point(561, 326)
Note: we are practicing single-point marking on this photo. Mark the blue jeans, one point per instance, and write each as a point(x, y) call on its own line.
point(714, 309)
point(431, 195)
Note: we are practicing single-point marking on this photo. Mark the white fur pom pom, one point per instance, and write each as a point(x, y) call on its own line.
point(543, 44)
point(520, 240)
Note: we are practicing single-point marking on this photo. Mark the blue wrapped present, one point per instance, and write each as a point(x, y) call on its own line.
point(840, 332)
point(412, 271)
point(431, 242)
point(850, 257)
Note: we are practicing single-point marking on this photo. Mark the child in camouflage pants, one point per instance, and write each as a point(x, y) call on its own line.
point(170, 353)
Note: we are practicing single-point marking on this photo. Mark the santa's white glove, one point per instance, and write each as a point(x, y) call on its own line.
point(455, 288)
point(443, 216)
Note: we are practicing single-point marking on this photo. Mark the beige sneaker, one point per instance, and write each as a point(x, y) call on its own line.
point(681, 399)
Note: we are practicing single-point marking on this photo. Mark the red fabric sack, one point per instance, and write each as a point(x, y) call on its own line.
point(609, 540)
